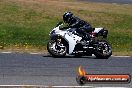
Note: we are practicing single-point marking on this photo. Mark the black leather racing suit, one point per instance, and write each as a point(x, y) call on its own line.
point(82, 26)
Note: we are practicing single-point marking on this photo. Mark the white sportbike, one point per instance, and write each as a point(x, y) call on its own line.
point(68, 41)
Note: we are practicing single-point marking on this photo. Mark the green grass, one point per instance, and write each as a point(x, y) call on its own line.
point(19, 26)
point(28, 23)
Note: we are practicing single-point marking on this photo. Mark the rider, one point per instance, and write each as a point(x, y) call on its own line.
point(74, 22)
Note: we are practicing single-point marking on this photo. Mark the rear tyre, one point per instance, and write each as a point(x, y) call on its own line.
point(103, 50)
point(56, 49)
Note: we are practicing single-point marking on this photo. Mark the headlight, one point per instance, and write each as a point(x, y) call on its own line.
point(52, 32)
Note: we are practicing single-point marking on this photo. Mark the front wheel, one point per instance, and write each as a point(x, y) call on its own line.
point(56, 49)
point(103, 49)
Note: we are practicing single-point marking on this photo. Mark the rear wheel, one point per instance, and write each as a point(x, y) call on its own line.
point(103, 50)
point(56, 49)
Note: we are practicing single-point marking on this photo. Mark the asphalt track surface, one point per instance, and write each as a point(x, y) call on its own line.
point(111, 1)
point(38, 69)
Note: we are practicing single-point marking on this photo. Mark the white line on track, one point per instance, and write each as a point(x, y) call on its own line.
point(6, 52)
point(42, 86)
point(72, 86)
point(46, 86)
point(121, 56)
point(40, 53)
point(34, 53)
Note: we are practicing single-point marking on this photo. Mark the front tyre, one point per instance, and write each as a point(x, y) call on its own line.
point(103, 49)
point(56, 49)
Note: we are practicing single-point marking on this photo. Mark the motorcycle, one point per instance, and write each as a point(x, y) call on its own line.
point(66, 40)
